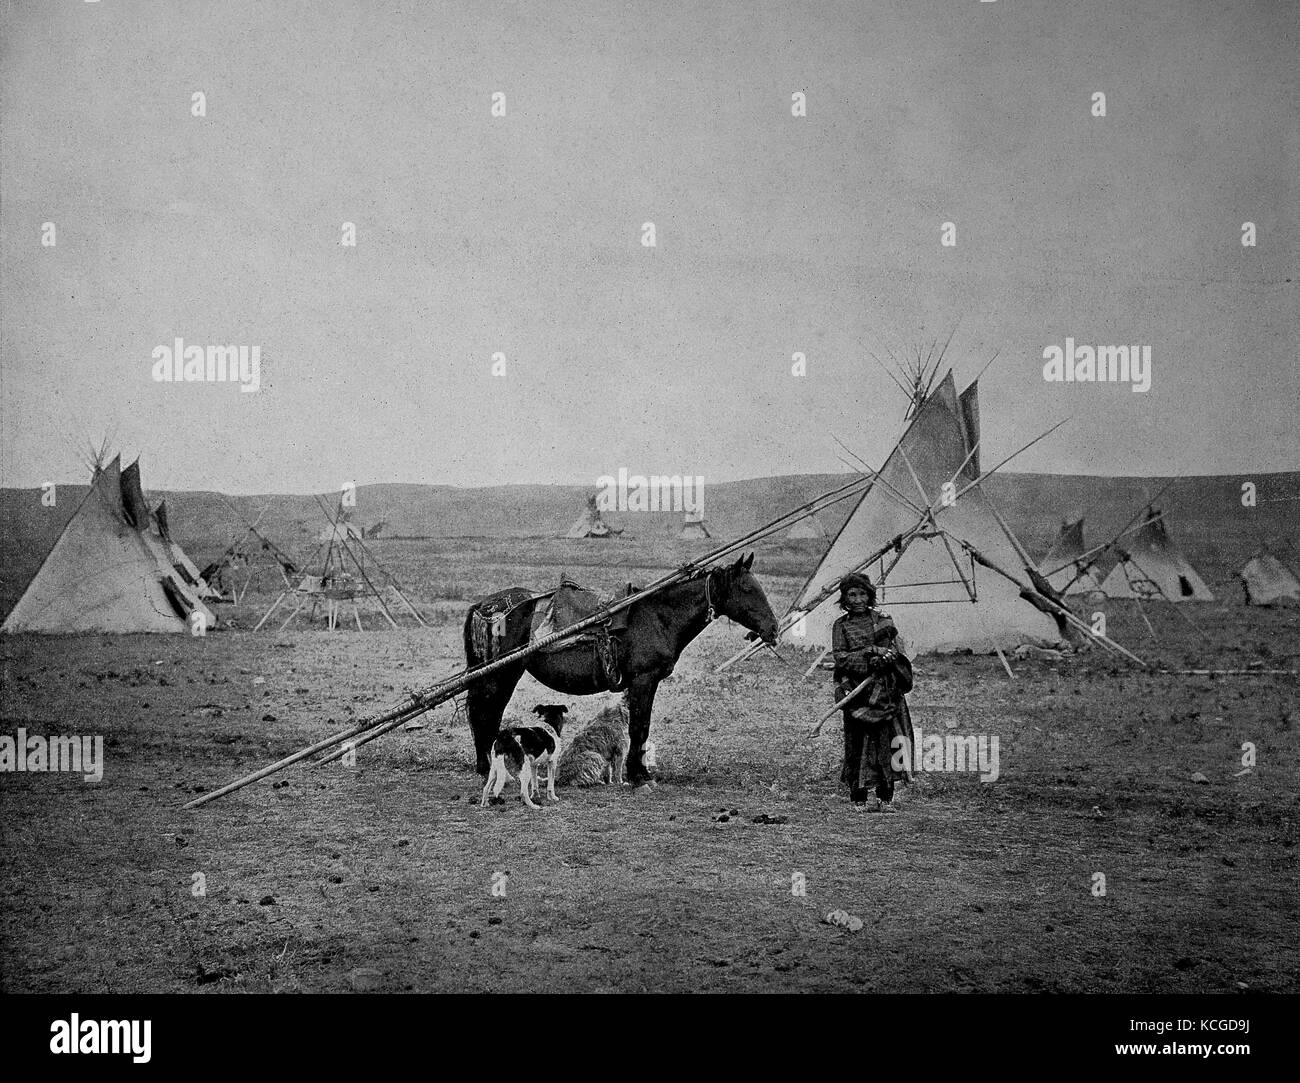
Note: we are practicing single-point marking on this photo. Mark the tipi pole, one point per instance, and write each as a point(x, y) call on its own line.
point(1066, 613)
point(816, 662)
point(289, 619)
point(839, 706)
point(345, 547)
point(274, 606)
point(392, 581)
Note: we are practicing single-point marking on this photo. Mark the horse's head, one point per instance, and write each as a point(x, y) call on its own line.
point(742, 599)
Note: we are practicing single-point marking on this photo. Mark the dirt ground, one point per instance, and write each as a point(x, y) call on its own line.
point(381, 876)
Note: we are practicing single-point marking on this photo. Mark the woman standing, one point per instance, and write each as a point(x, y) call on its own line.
point(865, 645)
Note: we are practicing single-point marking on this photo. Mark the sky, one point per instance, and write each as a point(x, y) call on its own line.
point(521, 234)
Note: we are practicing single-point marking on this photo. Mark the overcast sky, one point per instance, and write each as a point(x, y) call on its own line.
point(521, 234)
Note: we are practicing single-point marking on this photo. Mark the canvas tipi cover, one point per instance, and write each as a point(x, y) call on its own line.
point(1066, 550)
point(101, 575)
point(1268, 581)
point(186, 568)
point(923, 592)
point(1152, 567)
point(138, 515)
point(590, 524)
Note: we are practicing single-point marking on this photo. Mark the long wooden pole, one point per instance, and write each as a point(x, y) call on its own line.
point(838, 707)
point(1064, 611)
point(420, 701)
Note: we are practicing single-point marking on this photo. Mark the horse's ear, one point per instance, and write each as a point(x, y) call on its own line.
point(748, 562)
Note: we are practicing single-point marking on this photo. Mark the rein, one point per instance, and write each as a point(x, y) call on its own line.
point(712, 614)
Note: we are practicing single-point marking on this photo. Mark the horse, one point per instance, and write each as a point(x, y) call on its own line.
point(658, 628)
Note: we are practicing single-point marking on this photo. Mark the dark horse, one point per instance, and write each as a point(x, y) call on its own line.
point(658, 629)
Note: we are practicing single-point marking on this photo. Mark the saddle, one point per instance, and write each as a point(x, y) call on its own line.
point(571, 603)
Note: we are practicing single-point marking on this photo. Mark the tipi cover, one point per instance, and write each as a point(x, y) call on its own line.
point(101, 575)
point(139, 516)
point(591, 525)
point(1066, 550)
point(187, 569)
point(1152, 567)
point(1268, 581)
point(923, 592)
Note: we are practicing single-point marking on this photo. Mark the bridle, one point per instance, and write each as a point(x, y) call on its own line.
point(712, 613)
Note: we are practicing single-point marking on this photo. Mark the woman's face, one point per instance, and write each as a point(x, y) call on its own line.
point(857, 599)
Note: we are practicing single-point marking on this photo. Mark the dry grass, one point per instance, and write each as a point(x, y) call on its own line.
point(380, 876)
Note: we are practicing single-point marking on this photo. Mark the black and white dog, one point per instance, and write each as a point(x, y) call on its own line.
point(521, 748)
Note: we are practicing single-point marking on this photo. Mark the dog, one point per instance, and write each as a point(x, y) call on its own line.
point(597, 753)
point(520, 749)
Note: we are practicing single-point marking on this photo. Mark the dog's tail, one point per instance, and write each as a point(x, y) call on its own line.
point(581, 768)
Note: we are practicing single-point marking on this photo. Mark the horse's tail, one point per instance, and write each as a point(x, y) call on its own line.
point(468, 636)
point(475, 649)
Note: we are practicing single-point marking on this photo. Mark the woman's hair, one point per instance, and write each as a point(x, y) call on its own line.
point(862, 582)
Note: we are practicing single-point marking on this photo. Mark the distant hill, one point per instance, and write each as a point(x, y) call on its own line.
point(1205, 515)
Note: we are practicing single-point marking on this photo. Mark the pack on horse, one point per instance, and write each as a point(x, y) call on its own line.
point(631, 653)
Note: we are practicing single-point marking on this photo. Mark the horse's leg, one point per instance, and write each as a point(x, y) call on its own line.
point(485, 702)
point(640, 704)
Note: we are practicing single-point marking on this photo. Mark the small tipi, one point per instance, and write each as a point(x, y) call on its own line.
point(103, 574)
point(1066, 566)
point(693, 528)
point(1267, 581)
point(1152, 567)
point(591, 524)
point(927, 587)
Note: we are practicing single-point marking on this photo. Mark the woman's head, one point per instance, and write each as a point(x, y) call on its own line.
point(857, 592)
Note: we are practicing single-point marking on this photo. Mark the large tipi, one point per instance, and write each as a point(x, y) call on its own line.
point(1151, 567)
point(1066, 565)
point(1267, 581)
point(107, 572)
point(927, 588)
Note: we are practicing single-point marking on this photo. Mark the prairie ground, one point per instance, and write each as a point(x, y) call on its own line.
point(380, 876)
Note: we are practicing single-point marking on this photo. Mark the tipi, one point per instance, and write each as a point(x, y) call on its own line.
point(591, 524)
point(693, 528)
point(1151, 566)
point(103, 574)
point(1065, 563)
point(1267, 581)
point(927, 588)
point(336, 583)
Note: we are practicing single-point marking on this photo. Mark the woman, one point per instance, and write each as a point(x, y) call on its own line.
point(865, 644)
